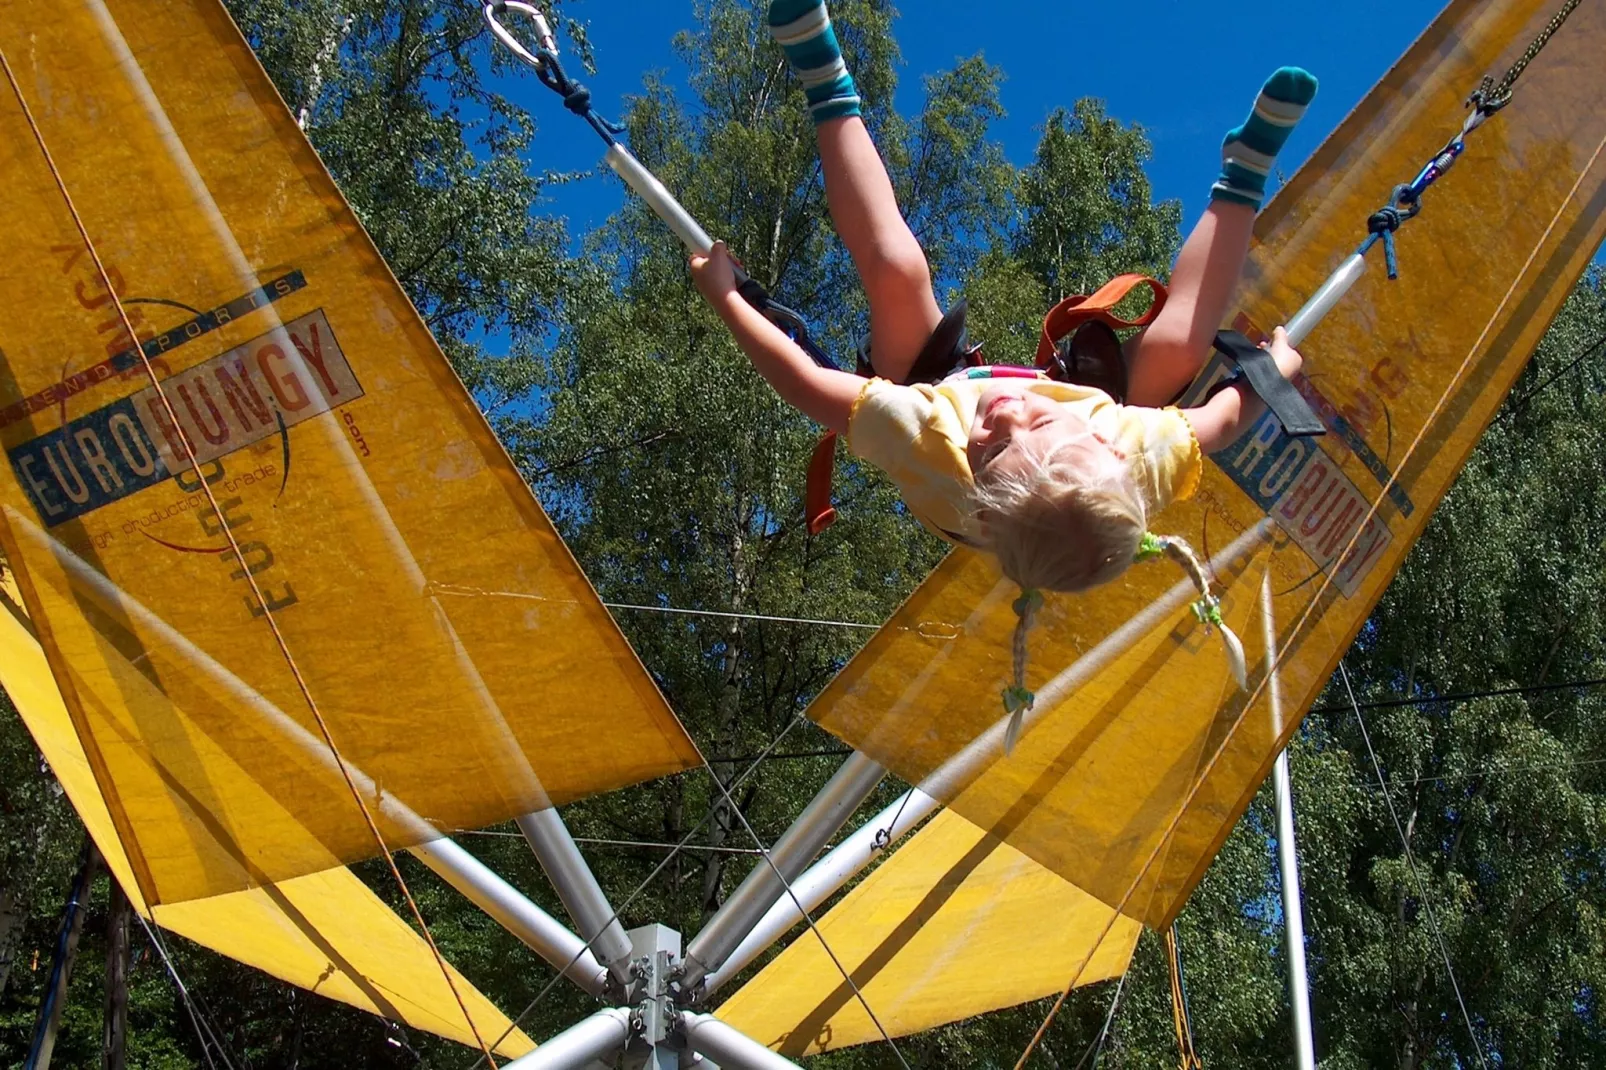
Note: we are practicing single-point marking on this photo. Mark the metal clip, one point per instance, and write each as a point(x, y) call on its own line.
point(543, 32)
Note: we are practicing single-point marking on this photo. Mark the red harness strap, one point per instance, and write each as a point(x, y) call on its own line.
point(817, 509)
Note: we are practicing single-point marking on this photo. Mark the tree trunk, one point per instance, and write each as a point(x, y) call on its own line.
point(729, 711)
point(327, 54)
point(72, 927)
point(10, 922)
point(115, 1033)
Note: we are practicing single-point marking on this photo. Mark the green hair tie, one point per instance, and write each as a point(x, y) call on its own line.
point(1030, 601)
point(1018, 700)
point(1149, 547)
point(1208, 610)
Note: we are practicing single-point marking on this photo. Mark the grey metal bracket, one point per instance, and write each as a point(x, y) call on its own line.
point(654, 958)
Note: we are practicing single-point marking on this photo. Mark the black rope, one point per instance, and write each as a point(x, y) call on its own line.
point(1494, 96)
point(1522, 402)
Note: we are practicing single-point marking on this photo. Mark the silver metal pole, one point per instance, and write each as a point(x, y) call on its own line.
point(822, 880)
point(951, 778)
point(540, 931)
point(599, 1038)
point(820, 820)
point(729, 1047)
point(1293, 916)
point(1326, 296)
point(577, 886)
point(544, 934)
point(1288, 854)
point(658, 198)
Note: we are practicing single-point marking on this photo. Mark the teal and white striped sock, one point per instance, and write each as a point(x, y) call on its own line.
point(1249, 150)
point(803, 27)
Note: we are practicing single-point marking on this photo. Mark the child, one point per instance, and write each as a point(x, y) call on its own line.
point(1058, 480)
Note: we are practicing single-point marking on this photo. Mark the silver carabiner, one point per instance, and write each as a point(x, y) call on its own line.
point(543, 32)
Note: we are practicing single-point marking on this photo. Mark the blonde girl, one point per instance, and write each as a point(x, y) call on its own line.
point(1057, 479)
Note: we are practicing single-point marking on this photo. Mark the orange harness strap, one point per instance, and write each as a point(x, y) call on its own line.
point(817, 508)
point(1074, 311)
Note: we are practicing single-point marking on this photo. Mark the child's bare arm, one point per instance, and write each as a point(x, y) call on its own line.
point(1218, 422)
point(825, 395)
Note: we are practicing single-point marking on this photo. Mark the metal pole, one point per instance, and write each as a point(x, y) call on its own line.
point(1326, 296)
point(820, 820)
point(729, 1047)
point(822, 879)
point(1287, 852)
point(599, 1038)
point(577, 886)
point(540, 931)
point(658, 198)
point(48, 1024)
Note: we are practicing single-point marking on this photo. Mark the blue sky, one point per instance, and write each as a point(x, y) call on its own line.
point(1184, 69)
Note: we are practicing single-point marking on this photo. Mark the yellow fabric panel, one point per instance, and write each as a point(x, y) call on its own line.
point(1148, 726)
point(325, 932)
point(956, 923)
point(458, 655)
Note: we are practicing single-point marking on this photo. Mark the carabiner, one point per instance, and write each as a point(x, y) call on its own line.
point(543, 32)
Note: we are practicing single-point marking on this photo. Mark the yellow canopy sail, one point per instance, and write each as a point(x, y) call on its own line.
point(956, 923)
point(1144, 753)
point(325, 932)
point(355, 551)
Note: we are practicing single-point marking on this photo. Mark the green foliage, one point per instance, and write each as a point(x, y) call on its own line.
point(396, 98)
point(1502, 798)
point(38, 841)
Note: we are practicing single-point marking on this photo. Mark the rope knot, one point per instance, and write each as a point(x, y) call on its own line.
point(578, 99)
point(1385, 220)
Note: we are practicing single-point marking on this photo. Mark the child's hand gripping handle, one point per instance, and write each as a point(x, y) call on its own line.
point(1266, 380)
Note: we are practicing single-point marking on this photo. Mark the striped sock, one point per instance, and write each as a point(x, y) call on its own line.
point(1249, 150)
point(804, 30)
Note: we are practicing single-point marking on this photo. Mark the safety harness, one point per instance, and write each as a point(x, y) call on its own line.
point(1078, 344)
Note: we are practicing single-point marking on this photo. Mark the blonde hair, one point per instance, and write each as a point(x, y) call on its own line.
point(1059, 526)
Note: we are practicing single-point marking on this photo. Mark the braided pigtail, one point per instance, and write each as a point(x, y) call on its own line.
point(1017, 700)
point(1208, 607)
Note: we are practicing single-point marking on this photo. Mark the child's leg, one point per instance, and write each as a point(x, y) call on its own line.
point(891, 264)
point(1166, 356)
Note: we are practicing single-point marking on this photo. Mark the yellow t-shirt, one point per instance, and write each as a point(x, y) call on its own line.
point(917, 435)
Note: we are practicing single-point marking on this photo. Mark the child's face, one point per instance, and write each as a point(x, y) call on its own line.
point(1013, 426)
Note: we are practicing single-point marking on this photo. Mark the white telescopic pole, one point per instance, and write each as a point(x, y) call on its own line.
point(825, 815)
point(592, 1041)
point(729, 1047)
point(1326, 296)
point(1287, 855)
